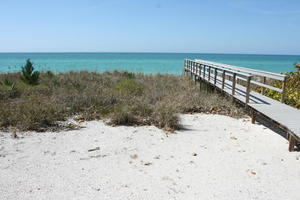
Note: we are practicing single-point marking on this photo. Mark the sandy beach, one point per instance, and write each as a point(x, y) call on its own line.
point(214, 157)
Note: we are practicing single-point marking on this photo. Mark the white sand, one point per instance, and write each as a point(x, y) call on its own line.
point(235, 160)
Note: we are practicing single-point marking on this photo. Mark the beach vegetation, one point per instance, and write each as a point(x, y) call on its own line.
point(297, 66)
point(28, 74)
point(128, 87)
point(7, 82)
point(124, 116)
point(292, 96)
point(123, 97)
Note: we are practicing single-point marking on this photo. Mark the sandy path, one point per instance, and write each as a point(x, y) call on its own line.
point(217, 157)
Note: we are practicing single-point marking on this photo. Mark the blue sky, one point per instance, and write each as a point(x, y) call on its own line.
point(204, 26)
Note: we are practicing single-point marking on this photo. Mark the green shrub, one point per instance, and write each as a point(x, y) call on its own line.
point(49, 74)
point(166, 116)
point(8, 83)
point(128, 75)
point(128, 86)
point(8, 90)
point(297, 66)
point(28, 75)
point(292, 96)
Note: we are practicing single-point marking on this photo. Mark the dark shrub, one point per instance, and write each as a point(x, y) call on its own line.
point(123, 117)
point(28, 75)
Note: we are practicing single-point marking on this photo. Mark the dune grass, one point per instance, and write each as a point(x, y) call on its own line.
point(125, 98)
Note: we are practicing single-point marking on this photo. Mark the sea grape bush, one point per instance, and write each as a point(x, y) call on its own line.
point(292, 97)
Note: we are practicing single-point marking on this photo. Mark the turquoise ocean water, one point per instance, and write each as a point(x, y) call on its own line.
point(171, 63)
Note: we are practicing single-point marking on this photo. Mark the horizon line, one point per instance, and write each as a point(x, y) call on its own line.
point(266, 54)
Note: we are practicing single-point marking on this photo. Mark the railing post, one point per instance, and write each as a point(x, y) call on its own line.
point(233, 83)
point(204, 72)
point(187, 64)
point(264, 82)
point(191, 69)
point(208, 73)
point(283, 90)
point(200, 68)
point(248, 89)
point(223, 80)
point(184, 64)
point(216, 74)
point(195, 74)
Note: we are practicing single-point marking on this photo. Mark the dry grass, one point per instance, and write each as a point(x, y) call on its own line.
point(126, 98)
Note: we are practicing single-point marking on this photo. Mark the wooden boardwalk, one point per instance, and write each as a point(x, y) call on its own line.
point(237, 83)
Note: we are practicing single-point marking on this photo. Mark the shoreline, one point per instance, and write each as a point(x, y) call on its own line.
point(143, 62)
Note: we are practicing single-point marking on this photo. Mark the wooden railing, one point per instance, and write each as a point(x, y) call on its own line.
point(234, 73)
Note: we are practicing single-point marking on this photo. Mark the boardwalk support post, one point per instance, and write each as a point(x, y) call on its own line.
point(200, 82)
point(292, 142)
point(253, 116)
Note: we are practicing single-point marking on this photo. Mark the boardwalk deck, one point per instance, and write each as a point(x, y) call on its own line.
point(286, 116)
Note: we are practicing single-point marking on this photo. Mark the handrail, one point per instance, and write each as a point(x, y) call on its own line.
point(222, 68)
point(237, 73)
point(196, 66)
point(256, 72)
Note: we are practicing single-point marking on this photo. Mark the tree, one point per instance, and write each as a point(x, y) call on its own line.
point(28, 75)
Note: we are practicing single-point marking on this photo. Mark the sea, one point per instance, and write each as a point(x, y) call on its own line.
point(148, 63)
